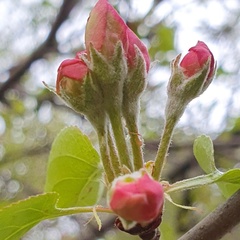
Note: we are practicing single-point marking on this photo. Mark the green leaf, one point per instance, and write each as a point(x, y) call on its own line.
point(204, 153)
point(228, 189)
point(229, 182)
point(18, 218)
point(162, 42)
point(74, 169)
point(231, 176)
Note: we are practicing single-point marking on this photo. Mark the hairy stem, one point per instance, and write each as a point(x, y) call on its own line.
point(75, 210)
point(119, 135)
point(105, 157)
point(194, 182)
point(164, 146)
point(113, 155)
point(136, 143)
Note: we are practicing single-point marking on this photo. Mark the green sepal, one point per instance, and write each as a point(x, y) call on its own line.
point(134, 86)
point(85, 97)
point(110, 75)
point(182, 90)
point(135, 83)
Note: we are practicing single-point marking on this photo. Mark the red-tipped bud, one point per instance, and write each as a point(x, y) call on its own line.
point(131, 53)
point(189, 78)
point(105, 28)
point(196, 59)
point(137, 198)
point(72, 69)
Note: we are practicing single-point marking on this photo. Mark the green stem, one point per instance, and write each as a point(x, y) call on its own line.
point(100, 124)
point(113, 155)
point(194, 182)
point(106, 161)
point(136, 143)
point(75, 210)
point(117, 127)
point(164, 146)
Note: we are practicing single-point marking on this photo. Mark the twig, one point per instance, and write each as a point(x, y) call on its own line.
point(217, 223)
point(48, 45)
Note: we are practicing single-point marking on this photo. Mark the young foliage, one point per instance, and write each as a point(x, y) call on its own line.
point(204, 153)
point(18, 218)
point(228, 181)
point(74, 169)
point(105, 82)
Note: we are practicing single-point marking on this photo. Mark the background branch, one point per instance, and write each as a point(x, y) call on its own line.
point(48, 45)
point(217, 223)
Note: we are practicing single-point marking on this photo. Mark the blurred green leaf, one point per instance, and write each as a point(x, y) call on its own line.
point(231, 176)
point(74, 169)
point(163, 40)
point(204, 153)
point(236, 127)
point(171, 218)
point(166, 36)
point(228, 189)
point(229, 182)
point(18, 218)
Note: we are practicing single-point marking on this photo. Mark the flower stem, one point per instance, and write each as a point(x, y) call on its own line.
point(163, 147)
point(194, 182)
point(118, 131)
point(113, 154)
point(75, 210)
point(136, 143)
point(106, 161)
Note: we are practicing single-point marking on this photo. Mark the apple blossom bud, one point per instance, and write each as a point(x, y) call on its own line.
point(136, 198)
point(189, 78)
point(70, 79)
point(104, 29)
point(115, 62)
point(132, 54)
point(75, 86)
point(196, 58)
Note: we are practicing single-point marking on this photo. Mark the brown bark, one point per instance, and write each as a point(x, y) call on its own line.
point(218, 223)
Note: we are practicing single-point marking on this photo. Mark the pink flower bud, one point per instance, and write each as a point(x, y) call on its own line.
point(105, 28)
point(137, 197)
point(195, 60)
point(131, 54)
point(74, 69)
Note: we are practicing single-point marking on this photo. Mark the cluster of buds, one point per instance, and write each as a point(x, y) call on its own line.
point(107, 79)
point(113, 53)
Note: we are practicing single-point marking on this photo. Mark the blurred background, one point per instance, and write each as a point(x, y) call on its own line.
point(36, 35)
